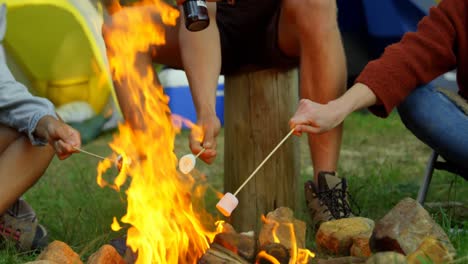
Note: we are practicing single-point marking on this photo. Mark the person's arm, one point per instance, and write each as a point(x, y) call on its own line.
point(34, 116)
point(21, 110)
point(201, 57)
point(417, 59)
point(312, 117)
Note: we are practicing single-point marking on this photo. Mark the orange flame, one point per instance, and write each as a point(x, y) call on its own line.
point(164, 227)
point(219, 226)
point(263, 255)
point(297, 255)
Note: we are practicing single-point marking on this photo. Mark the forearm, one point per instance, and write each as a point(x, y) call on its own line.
point(418, 58)
point(201, 57)
point(312, 117)
point(359, 96)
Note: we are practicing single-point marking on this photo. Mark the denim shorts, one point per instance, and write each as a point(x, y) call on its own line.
point(438, 122)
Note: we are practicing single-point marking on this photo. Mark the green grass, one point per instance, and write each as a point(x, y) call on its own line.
point(382, 161)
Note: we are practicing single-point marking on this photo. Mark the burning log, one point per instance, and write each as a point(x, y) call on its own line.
point(281, 241)
point(239, 244)
point(279, 252)
point(220, 255)
point(343, 260)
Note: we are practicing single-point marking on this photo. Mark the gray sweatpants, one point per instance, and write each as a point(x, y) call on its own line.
point(19, 109)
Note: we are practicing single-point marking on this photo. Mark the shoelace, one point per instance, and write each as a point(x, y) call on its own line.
point(9, 232)
point(335, 200)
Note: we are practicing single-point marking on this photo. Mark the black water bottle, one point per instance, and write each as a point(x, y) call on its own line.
point(196, 15)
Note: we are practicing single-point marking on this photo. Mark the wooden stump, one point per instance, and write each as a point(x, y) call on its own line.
point(257, 108)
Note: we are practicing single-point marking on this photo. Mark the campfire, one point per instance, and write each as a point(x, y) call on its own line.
point(163, 224)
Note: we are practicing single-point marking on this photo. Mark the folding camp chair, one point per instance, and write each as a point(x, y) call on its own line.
point(433, 164)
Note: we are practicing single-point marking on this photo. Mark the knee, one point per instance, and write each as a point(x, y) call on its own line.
point(417, 107)
point(311, 12)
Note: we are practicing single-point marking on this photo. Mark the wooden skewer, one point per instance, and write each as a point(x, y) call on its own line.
point(91, 154)
point(199, 153)
point(263, 162)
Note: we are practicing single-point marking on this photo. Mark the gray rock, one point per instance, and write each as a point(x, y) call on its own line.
point(387, 258)
point(404, 228)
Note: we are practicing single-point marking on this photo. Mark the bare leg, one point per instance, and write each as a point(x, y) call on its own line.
point(309, 28)
point(21, 165)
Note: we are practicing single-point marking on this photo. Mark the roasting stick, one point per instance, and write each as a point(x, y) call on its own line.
point(118, 162)
point(199, 153)
point(263, 162)
point(229, 201)
point(91, 154)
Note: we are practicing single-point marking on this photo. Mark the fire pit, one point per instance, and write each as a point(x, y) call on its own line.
point(281, 240)
point(162, 223)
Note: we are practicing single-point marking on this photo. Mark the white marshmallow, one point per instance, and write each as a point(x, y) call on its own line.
point(227, 204)
point(119, 162)
point(187, 163)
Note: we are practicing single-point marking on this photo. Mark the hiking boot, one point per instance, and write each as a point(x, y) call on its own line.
point(327, 199)
point(19, 224)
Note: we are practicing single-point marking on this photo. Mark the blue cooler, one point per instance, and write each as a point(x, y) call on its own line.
point(176, 86)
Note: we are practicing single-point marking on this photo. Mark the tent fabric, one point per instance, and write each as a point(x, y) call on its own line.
point(57, 45)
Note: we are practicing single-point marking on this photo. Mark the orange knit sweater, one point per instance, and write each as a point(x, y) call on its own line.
point(439, 45)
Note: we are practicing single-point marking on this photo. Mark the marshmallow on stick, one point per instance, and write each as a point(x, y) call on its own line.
point(187, 162)
point(229, 201)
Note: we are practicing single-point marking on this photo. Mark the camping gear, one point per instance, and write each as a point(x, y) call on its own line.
point(55, 48)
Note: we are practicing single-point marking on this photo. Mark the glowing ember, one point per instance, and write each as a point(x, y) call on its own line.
point(163, 225)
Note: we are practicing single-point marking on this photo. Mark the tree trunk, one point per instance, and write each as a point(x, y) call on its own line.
point(257, 108)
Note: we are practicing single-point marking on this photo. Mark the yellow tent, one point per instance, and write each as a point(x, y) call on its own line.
point(57, 45)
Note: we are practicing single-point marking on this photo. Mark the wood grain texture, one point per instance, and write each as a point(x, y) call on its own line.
point(257, 109)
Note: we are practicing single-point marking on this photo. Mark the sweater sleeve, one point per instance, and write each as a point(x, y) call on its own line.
point(417, 59)
point(19, 108)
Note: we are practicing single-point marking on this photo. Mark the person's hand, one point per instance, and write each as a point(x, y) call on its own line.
point(210, 126)
point(312, 117)
point(62, 137)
